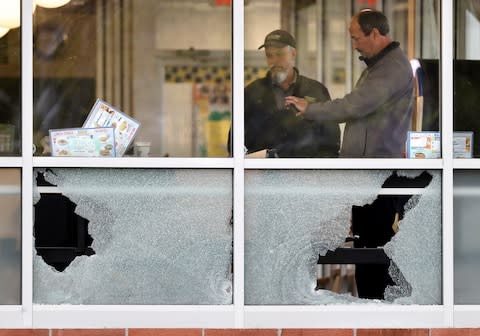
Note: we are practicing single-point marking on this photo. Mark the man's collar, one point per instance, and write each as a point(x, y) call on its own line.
point(374, 59)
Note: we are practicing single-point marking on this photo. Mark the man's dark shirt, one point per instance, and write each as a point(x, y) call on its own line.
point(269, 126)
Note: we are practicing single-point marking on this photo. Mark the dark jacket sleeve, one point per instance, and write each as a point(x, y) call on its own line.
point(251, 129)
point(260, 127)
point(327, 133)
point(374, 89)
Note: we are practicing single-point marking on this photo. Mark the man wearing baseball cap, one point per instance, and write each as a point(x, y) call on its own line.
point(271, 125)
point(279, 38)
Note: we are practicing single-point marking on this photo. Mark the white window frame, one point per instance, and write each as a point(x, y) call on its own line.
point(239, 315)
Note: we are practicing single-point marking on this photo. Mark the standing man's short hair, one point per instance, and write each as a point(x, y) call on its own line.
point(369, 19)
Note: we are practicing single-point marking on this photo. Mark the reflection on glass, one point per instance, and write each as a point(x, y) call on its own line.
point(292, 217)
point(10, 237)
point(10, 90)
point(374, 115)
point(139, 237)
point(466, 192)
point(156, 61)
point(467, 80)
point(336, 49)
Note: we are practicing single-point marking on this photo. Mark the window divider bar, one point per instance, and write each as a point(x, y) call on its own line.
point(446, 71)
point(27, 152)
point(238, 155)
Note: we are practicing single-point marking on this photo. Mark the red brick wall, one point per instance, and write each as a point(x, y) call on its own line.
point(240, 332)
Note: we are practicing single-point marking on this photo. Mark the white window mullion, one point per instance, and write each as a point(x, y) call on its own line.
point(356, 164)
point(132, 162)
point(447, 148)
point(238, 151)
point(27, 173)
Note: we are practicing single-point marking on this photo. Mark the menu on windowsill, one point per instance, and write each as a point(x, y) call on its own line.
point(462, 145)
point(125, 127)
point(423, 145)
point(83, 142)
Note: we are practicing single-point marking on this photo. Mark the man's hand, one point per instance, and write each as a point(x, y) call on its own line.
point(299, 103)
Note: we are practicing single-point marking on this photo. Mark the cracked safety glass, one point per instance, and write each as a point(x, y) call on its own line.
point(342, 237)
point(133, 236)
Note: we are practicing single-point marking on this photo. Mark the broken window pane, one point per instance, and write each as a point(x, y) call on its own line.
point(466, 196)
point(10, 237)
point(160, 236)
point(61, 235)
point(292, 217)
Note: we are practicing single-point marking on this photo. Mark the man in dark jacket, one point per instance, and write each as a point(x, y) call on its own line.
point(378, 111)
point(271, 125)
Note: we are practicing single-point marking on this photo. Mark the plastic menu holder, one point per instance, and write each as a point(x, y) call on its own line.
point(125, 127)
point(423, 145)
point(83, 142)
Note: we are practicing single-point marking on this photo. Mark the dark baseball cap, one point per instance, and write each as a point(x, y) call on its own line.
point(279, 38)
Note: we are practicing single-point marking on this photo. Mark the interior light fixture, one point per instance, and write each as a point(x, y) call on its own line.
point(51, 3)
point(10, 14)
point(3, 31)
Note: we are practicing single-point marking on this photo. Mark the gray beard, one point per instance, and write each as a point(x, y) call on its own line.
point(279, 76)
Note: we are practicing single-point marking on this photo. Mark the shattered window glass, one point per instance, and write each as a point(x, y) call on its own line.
point(296, 219)
point(466, 197)
point(10, 237)
point(157, 236)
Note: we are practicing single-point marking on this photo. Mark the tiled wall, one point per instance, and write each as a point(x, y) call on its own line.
point(240, 332)
point(208, 74)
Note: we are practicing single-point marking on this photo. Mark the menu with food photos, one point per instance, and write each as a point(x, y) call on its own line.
point(423, 145)
point(462, 145)
point(77, 142)
point(105, 115)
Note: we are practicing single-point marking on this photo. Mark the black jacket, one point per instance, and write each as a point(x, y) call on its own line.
point(291, 136)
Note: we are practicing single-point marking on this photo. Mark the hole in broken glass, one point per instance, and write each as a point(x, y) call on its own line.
point(60, 234)
point(365, 270)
